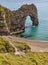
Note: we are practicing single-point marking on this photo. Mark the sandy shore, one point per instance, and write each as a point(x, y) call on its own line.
point(35, 45)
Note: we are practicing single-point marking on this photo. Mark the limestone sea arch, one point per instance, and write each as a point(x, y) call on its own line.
point(15, 20)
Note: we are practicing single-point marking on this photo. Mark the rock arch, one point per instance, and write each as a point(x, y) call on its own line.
point(15, 20)
point(22, 13)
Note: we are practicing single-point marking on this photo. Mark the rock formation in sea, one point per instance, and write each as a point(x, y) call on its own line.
point(12, 22)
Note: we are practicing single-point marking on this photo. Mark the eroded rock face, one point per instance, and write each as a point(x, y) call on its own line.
point(15, 20)
point(4, 29)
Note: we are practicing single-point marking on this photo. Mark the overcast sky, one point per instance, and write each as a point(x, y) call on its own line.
point(15, 4)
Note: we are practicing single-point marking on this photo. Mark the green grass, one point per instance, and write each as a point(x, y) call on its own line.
point(28, 59)
point(5, 46)
point(1, 13)
point(22, 46)
point(6, 12)
point(38, 58)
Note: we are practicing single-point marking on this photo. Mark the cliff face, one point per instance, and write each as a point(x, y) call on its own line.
point(4, 20)
point(14, 21)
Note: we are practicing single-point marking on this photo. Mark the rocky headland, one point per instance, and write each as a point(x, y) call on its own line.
point(12, 22)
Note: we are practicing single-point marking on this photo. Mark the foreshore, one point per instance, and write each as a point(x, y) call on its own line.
point(35, 45)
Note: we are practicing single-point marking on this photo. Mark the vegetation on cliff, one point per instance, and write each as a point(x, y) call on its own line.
point(22, 46)
point(2, 18)
point(1, 12)
point(28, 59)
point(5, 15)
point(7, 56)
point(5, 47)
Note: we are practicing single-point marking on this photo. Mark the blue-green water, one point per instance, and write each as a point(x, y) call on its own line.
point(40, 32)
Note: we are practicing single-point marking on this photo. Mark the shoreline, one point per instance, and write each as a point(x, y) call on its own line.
point(25, 38)
point(35, 45)
point(32, 40)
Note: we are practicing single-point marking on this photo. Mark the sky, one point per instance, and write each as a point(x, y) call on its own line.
point(42, 6)
point(23, 0)
point(15, 4)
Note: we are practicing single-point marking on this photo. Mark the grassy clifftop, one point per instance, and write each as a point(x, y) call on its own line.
point(28, 59)
point(5, 47)
point(7, 56)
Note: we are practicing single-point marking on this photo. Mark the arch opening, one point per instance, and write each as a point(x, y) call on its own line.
point(28, 22)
